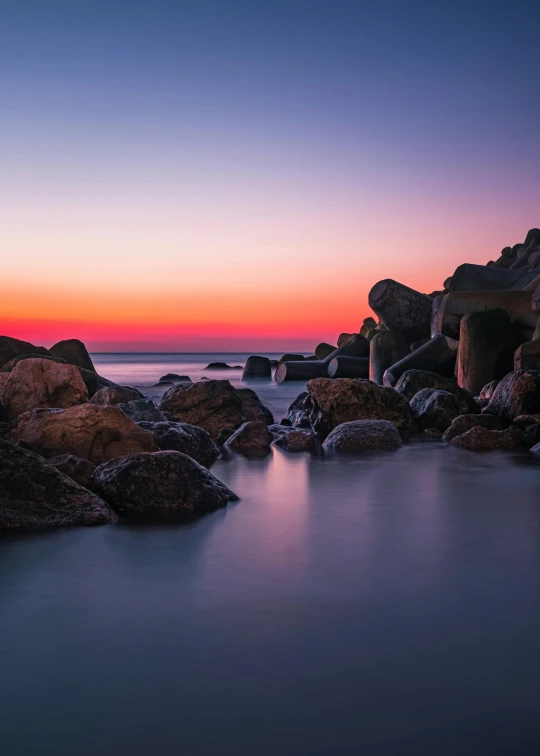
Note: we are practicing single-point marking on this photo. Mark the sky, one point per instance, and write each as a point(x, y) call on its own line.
point(221, 175)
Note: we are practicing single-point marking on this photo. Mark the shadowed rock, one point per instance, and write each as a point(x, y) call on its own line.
point(34, 494)
point(296, 440)
point(114, 395)
point(171, 378)
point(74, 352)
point(10, 348)
point(289, 357)
point(402, 309)
point(222, 366)
point(488, 390)
point(486, 348)
point(252, 437)
point(433, 408)
point(301, 370)
point(297, 413)
point(78, 469)
point(532, 436)
point(363, 435)
point(517, 394)
point(257, 367)
point(253, 408)
point(464, 423)
point(185, 438)
point(348, 367)
point(413, 381)
point(90, 431)
point(42, 383)
point(167, 485)
point(482, 439)
point(386, 348)
point(211, 405)
point(437, 355)
point(142, 410)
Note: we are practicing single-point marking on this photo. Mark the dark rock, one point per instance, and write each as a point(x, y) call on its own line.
point(10, 348)
point(433, 408)
point(386, 348)
point(185, 438)
point(252, 437)
point(78, 469)
point(290, 358)
point(517, 394)
point(412, 381)
point(90, 431)
point(74, 352)
point(525, 421)
point(337, 401)
point(532, 436)
point(297, 414)
point(211, 405)
point(297, 440)
point(363, 435)
point(42, 383)
point(8, 366)
point(224, 435)
point(222, 366)
point(93, 381)
point(35, 494)
point(253, 408)
point(482, 439)
point(433, 433)
point(174, 378)
point(167, 485)
point(487, 391)
point(401, 309)
point(113, 395)
point(464, 423)
point(257, 367)
point(486, 348)
point(142, 410)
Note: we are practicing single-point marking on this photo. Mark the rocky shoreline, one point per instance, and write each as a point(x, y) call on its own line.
point(460, 365)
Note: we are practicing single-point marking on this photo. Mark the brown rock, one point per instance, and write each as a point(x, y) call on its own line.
point(10, 348)
point(337, 401)
point(90, 431)
point(482, 439)
point(363, 435)
point(252, 437)
point(525, 421)
point(253, 408)
point(487, 391)
point(297, 440)
point(464, 423)
point(42, 383)
point(78, 469)
point(114, 395)
point(517, 394)
point(432, 408)
point(211, 405)
point(185, 438)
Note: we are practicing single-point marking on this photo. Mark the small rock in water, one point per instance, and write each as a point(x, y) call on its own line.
point(222, 366)
point(257, 367)
point(482, 439)
point(464, 423)
point(185, 438)
point(211, 405)
point(171, 378)
point(363, 435)
point(296, 440)
point(252, 437)
point(433, 408)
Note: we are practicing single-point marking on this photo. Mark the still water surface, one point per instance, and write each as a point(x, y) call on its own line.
point(387, 604)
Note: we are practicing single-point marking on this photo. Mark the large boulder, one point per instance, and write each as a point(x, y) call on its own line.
point(252, 437)
point(161, 486)
point(78, 469)
point(10, 348)
point(336, 401)
point(114, 395)
point(413, 381)
point(253, 408)
point(363, 435)
point(433, 408)
point(185, 438)
point(7, 367)
point(42, 383)
point(90, 431)
point(483, 439)
point(257, 367)
point(74, 352)
point(518, 393)
point(211, 405)
point(142, 410)
point(35, 494)
point(464, 423)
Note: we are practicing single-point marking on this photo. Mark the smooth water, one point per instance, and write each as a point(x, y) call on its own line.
point(386, 604)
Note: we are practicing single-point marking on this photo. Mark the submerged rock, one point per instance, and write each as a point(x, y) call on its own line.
point(464, 423)
point(432, 408)
point(41, 383)
point(114, 395)
point(363, 435)
point(90, 431)
point(222, 366)
point(333, 402)
point(211, 405)
point(34, 494)
point(483, 439)
point(252, 437)
point(78, 469)
point(518, 393)
point(185, 438)
point(162, 486)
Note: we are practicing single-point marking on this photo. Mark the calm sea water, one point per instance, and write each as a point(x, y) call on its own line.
point(386, 604)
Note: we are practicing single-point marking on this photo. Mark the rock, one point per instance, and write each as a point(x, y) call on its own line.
point(35, 494)
point(253, 408)
point(142, 410)
point(78, 469)
point(517, 394)
point(10, 348)
point(482, 439)
point(297, 441)
point(224, 436)
point(93, 381)
point(487, 391)
point(525, 421)
point(433, 433)
point(74, 352)
point(363, 435)
point(532, 436)
point(464, 423)
point(8, 366)
point(252, 437)
point(114, 395)
point(211, 405)
point(174, 378)
point(433, 408)
point(257, 367)
point(4, 378)
point(90, 431)
point(336, 401)
point(297, 413)
point(167, 485)
point(323, 350)
point(185, 438)
point(480, 278)
point(222, 366)
point(42, 383)
point(412, 381)
point(527, 356)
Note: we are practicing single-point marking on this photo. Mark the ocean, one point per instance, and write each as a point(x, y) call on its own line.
point(385, 604)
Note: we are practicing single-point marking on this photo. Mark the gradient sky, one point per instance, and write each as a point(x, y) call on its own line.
point(231, 175)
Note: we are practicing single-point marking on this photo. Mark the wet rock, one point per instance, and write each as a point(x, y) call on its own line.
point(10, 348)
point(412, 381)
point(323, 350)
point(336, 401)
point(34, 494)
point(90, 431)
point(296, 440)
point(253, 408)
point(257, 367)
point(517, 394)
point(171, 378)
point(297, 413)
point(167, 485)
point(222, 366)
point(142, 411)
point(363, 435)
point(185, 438)
point(464, 423)
point(114, 395)
point(224, 435)
point(252, 437)
point(211, 405)
point(78, 469)
point(74, 352)
point(433, 408)
point(483, 439)
point(42, 383)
